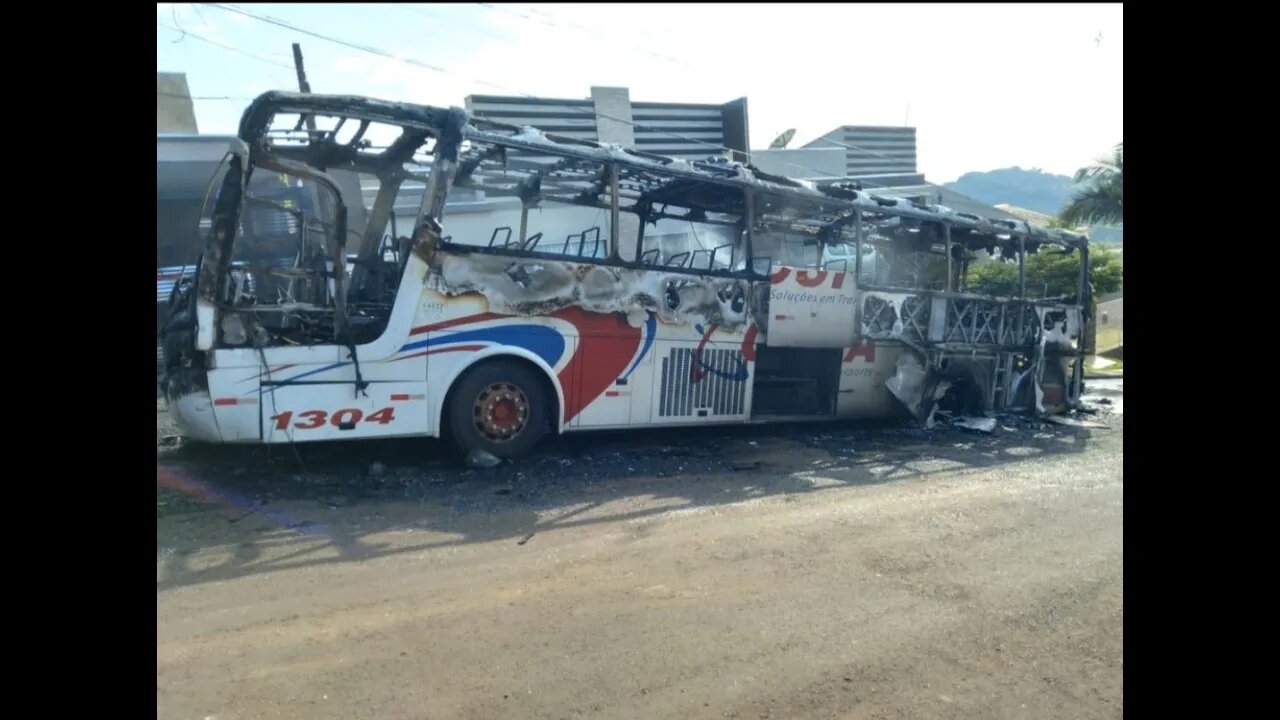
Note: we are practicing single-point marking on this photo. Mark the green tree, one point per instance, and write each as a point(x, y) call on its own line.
point(1050, 273)
point(1101, 199)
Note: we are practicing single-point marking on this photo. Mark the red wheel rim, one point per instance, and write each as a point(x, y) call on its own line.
point(501, 412)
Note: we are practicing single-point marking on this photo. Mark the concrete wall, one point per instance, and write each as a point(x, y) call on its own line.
point(873, 150)
point(737, 129)
point(613, 115)
point(174, 111)
point(691, 131)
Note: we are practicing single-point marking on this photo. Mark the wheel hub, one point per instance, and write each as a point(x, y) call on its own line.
point(501, 412)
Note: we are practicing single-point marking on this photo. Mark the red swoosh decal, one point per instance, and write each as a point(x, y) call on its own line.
point(606, 343)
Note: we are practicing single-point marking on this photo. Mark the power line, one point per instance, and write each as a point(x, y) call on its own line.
point(203, 97)
point(224, 46)
point(546, 20)
point(198, 14)
point(677, 61)
point(429, 66)
point(435, 68)
point(344, 43)
point(427, 14)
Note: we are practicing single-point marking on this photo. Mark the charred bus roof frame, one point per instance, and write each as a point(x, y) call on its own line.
point(451, 127)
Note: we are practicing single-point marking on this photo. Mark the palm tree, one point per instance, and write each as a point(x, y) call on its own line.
point(1101, 201)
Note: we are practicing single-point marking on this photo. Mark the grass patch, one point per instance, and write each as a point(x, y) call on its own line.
point(1110, 336)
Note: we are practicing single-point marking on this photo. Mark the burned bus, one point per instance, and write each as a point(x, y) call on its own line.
point(599, 287)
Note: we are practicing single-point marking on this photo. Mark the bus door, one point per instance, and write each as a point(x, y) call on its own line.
point(811, 304)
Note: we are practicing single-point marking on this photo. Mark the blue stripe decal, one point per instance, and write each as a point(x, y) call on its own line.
point(296, 378)
point(650, 328)
point(282, 383)
point(540, 340)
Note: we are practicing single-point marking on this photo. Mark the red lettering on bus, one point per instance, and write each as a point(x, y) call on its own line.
point(811, 279)
point(864, 350)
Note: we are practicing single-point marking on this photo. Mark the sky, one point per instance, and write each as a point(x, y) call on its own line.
point(986, 86)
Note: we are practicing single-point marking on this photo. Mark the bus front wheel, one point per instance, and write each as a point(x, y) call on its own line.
point(498, 407)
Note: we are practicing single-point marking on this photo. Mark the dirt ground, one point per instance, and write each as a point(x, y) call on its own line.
point(801, 571)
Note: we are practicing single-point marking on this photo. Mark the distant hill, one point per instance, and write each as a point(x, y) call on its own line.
point(1031, 189)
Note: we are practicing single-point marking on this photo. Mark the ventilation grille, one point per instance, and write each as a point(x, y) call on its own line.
point(716, 393)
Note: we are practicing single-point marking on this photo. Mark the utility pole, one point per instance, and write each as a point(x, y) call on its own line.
point(303, 85)
point(339, 268)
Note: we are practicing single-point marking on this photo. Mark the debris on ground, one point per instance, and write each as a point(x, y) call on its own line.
point(1076, 422)
point(478, 458)
point(1107, 407)
point(981, 424)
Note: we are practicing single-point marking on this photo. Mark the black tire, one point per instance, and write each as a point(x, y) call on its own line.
point(515, 400)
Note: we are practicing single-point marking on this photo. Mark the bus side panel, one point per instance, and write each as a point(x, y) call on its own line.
point(611, 407)
point(298, 413)
point(305, 401)
point(864, 369)
point(237, 376)
point(611, 375)
point(640, 380)
point(234, 393)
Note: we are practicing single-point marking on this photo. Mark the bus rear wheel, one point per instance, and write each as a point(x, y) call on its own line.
point(498, 407)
